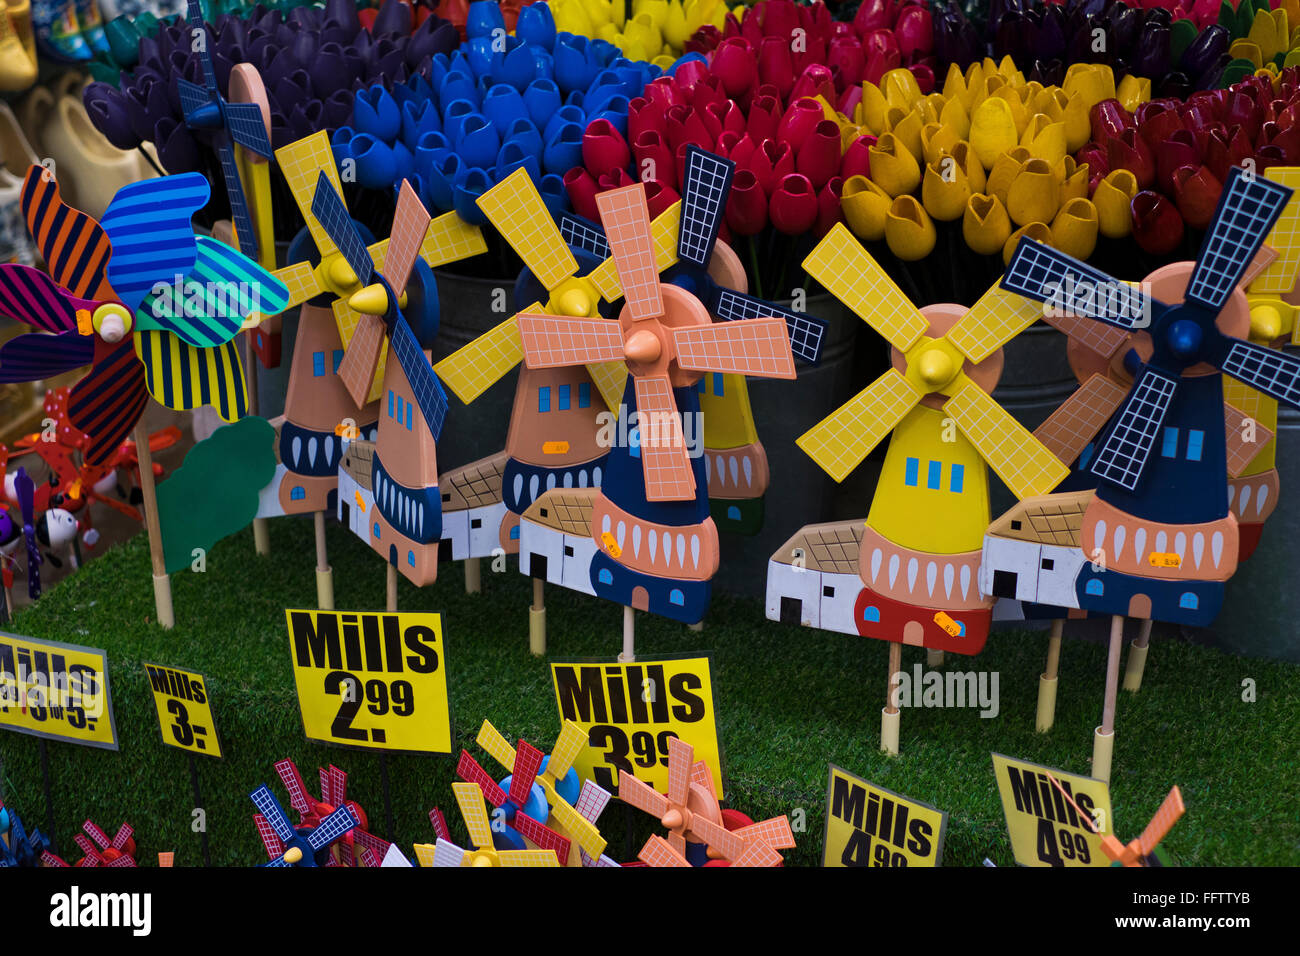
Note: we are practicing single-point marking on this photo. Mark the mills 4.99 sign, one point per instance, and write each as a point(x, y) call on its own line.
point(370, 679)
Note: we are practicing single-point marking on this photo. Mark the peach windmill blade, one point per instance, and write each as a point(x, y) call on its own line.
point(1139, 850)
point(665, 336)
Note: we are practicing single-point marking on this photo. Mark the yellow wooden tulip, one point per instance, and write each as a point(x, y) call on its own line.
point(1034, 230)
point(893, 167)
point(1074, 230)
point(962, 152)
point(993, 130)
point(864, 205)
point(1004, 172)
point(1086, 81)
point(1133, 91)
point(1035, 195)
point(674, 28)
point(871, 109)
point(945, 189)
point(955, 88)
point(1073, 178)
point(985, 225)
point(1263, 33)
point(937, 140)
point(1113, 198)
point(900, 87)
point(906, 128)
point(1015, 99)
point(1245, 49)
point(909, 233)
point(642, 39)
point(1044, 139)
point(955, 115)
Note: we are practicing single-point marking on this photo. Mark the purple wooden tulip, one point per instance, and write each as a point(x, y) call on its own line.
point(393, 19)
point(111, 115)
point(177, 148)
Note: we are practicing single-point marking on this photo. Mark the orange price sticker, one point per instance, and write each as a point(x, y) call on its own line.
point(1166, 559)
point(611, 545)
point(948, 624)
point(555, 447)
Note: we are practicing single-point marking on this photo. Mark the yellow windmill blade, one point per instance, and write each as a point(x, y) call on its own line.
point(424, 853)
point(577, 827)
point(840, 441)
point(300, 279)
point(515, 207)
point(997, 318)
point(347, 318)
point(1280, 277)
point(528, 858)
point(611, 380)
point(851, 275)
point(490, 739)
point(470, 799)
point(302, 163)
point(451, 239)
point(567, 747)
point(474, 368)
point(1020, 459)
point(663, 233)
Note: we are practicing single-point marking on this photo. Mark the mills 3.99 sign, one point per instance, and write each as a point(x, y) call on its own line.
point(370, 679)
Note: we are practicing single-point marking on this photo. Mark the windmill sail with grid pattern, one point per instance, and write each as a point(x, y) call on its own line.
point(654, 493)
point(485, 853)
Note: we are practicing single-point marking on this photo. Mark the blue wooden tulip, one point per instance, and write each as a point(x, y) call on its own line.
point(466, 193)
point(575, 63)
point(563, 149)
point(375, 112)
point(525, 133)
point(341, 145)
point(336, 109)
point(478, 142)
point(503, 105)
point(514, 65)
point(571, 113)
point(478, 51)
point(542, 98)
point(484, 16)
point(453, 118)
point(376, 163)
point(404, 160)
point(418, 119)
point(429, 151)
point(536, 25)
point(457, 85)
point(514, 156)
point(554, 194)
point(616, 112)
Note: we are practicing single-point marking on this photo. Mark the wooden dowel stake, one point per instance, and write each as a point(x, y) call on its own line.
point(162, 584)
point(933, 658)
point(1047, 680)
point(391, 602)
point(324, 573)
point(1103, 743)
point(537, 619)
point(629, 636)
point(890, 716)
point(1137, 658)
point(261, 529)
point(473, 576)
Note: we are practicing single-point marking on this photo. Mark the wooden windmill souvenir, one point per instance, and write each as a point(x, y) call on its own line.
point(1104, 359)
point(691, 814)
point(17, 846)
point(151, 307)
point(1157, 539)
point(656, 547)
point(321, 412)
point(110, 852)
point(914, 580)
point(353, 848)
point(558, 796)
point(735, 461)
point(445, 853)
point(287, 845)
point(523, 805)
point(1144, 851)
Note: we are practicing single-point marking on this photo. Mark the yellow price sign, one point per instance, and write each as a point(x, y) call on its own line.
point(370, 679)
point(867, 825)
point(630, 711)
point(57, 691)
point(1045, 830)
point(184, 708)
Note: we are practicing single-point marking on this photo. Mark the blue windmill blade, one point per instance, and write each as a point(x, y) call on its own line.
point(327, 206)
point(25, 489)
point(1045, 275)
point(807, 332)
point(199, 42)
point(580, 233)
point(35, 357)
point(1128, 443)
point(429, 393)
point(148, 224)
point(270, 808)
point(278, 861)
point(1271, 371)
point(238, 204)
point(332, 827)
point(704, 200)
point(1248, 208)
point(247, 128)
point(193, 97)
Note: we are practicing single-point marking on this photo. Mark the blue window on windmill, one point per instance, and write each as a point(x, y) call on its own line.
point(1189, 601)
point(410, 558)
point(584, 395)
point(871, 613)
point(733, 512)
point(675, 596)
point(297, 493)
point(934, 477)
point(338, 360)
point(1195, 444)
point(911, 471)
point(1170, 447)
point(606, 576)
point(409, 416)
point(1095, 586)
point(514, 533)
point(544, 398)
point(958, 477)
point(563, 402)
point(318, 363)
point(376, 529)
point(634, 441)
point(390, 403)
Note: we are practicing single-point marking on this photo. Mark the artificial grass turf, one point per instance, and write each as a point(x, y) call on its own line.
point(790, 700)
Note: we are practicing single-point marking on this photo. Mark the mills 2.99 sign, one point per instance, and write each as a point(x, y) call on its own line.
point(371, 679)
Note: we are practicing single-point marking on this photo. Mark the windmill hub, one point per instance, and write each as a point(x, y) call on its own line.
point(1265, 323)
point(574, 302)
point(673, 819)
point(112, 321)
point(207, 116)
point(293, 855)
point(936, 368)
point(480, 859)
point(1185, 338)
point(341, 274)
point(643, 346)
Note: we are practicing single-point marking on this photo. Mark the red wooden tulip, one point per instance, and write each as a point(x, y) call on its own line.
point(685, 125)
point(747, 204)
point(1196, 192)
point(603, 149)
point(846, 56)
point(582, 193)
point(688, 74)
point(881, 51)
point(1109, 119)
point(654, 159)
point(764, 115)
point(659, 197)
point(1129, 151)
point(815, 80)
point(1177, 151)
point(793, 207)
point(615, 179)
point(914, 31)
point(1225, 149)
point(828, 206)
point(727, 116)
point(799, 121)
point(857, 158)
point(736, 64)
point(645, 116)
point(770, 162)
point(1157, 226)
point(742, 152)
point(1157, 120)
point(775, 65)
point(819, 154)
